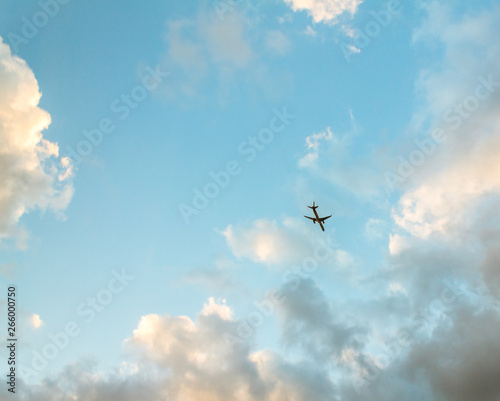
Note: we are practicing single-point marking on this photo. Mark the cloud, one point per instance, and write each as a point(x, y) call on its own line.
point(177, 358)
point(204, 52)
point(6, 270)
point(205, 45)
point(326, 11)
point(309, 31)
point(292, 242)
point(35, 321)
point(312, 144)
point(31, 176)
point(375, 228)
point(307, 310)
point(461, 361)
point(200, 364)
point(226, 42)
point(438, 283)
point(337, 158)
point(268, 242)
point(461, 96)
point(278, 43)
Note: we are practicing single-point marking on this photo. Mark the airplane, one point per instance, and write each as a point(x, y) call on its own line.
point(317, 219)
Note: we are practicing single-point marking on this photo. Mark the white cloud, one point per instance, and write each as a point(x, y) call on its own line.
point(397, 243)
point(201, 362)
point(267, 242)
point(327, 11)
point(217, 308)
point(396, 288)
point(466, 167)
point(182, 359)
point(35, 321)
point(455, 358)
point(349, 31)
point(312, 144)
point(30, 175)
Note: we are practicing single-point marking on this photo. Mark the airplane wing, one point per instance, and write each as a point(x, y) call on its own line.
point(322, 219)
point(312, 218)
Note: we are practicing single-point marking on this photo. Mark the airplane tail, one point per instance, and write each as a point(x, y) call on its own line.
point(313, 206)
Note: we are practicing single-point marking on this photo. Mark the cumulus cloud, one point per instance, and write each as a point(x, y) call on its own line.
point(181, 359)
point(307, 310)
point(461, 96)
point(458, 362)
point(202, 364)
point(291, 242)
point(445, 239)
point(267, 242)
point(326, 11)
point(31, 175)
point(461, 362)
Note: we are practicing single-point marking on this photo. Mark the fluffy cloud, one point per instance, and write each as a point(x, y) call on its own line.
point(202, 364)
point(292, 242)
point(30, 174)
point(180, 359)
point(267, 242)
point(307, 310)
point(459, 362)
point(461, 96)
point(327, 11)
point(429, 287)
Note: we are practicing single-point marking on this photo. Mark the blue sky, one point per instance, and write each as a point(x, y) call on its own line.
point(383, 113)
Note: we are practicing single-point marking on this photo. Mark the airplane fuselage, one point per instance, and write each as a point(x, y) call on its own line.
point(318, 219)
